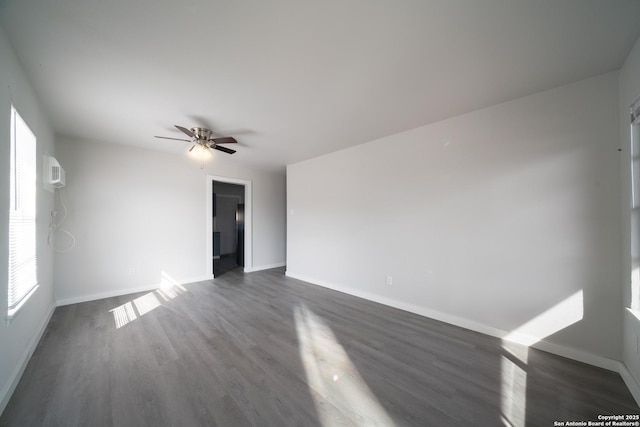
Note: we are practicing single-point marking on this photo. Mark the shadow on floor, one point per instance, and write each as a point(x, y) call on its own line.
point(224, 264)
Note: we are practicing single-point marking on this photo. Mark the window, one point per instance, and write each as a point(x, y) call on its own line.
point(635, 214)
point(23, 279)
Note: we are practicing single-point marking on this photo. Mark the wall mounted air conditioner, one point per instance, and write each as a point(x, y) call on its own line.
point(55, 173)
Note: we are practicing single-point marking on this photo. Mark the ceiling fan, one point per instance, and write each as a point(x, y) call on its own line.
point(202, 137)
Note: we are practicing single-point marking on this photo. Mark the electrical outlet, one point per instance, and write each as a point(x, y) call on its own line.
point(389, 280)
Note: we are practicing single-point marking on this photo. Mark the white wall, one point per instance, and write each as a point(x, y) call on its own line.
point(629, 91)
point(487, 220)
point(18, 339)
point(138, 213)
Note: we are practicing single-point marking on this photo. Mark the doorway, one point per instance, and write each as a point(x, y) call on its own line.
point(228, 225)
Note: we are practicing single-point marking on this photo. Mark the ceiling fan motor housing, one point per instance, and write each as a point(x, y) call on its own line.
point(201, 133)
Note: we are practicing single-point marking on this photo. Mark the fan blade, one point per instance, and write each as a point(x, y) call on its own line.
point(225, 149)
point(175, 139)
point(225, 140)
point(187, 131)
point(192, 147)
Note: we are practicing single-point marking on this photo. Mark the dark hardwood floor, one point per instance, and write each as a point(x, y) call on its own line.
point(224, 264)
point(261, 349)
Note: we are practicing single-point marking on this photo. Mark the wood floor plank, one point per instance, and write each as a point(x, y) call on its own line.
point(262, 349)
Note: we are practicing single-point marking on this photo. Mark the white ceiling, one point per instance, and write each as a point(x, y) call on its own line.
point(293, 79)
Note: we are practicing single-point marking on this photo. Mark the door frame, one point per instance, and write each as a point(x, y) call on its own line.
point(248, 229)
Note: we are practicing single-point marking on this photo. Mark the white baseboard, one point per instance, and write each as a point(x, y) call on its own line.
point(15, 376)
point(560, 350)
point(579, 355)
point(127, 291)
point(631, 382)
point(264, 267)
point(102, 295)
point(118, 292)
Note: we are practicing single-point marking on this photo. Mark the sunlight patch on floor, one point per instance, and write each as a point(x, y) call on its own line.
point(131, 310)
point(516, 354)
point(123, 314)
point(333, 377)
point(146, 303)
point(169, 287)
point(514, 392)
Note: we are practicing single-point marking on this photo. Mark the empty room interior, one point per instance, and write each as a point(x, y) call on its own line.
point(285, 213)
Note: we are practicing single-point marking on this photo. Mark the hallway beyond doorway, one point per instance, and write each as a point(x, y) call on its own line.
point(227, 226)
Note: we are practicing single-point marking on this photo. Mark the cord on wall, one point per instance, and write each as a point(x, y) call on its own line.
point(53, 226)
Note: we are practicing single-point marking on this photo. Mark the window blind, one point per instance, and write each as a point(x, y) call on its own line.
point(22, 216)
